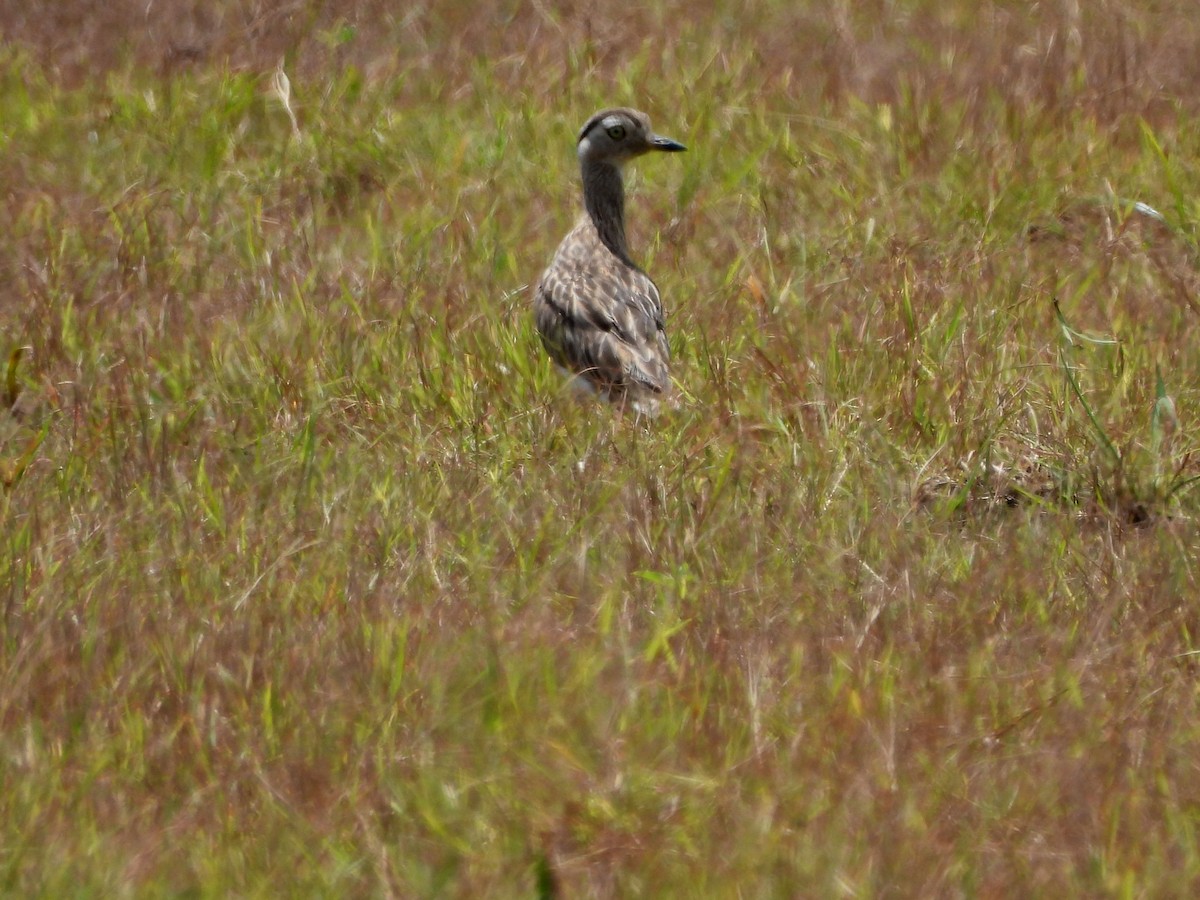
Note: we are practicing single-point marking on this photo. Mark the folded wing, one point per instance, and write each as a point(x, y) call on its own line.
point(605, 324)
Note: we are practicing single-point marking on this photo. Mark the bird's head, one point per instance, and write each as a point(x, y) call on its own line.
point(618, 135)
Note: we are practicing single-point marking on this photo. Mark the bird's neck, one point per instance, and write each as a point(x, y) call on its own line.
point(604, 198)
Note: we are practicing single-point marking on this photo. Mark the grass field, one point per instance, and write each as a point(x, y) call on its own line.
point(315, 581)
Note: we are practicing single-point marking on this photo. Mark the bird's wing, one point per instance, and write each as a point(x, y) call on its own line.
point(605, 323)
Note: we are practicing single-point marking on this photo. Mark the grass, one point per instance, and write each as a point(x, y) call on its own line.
point(314, 580)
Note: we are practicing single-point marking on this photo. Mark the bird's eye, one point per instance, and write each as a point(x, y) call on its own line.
point(616, 132)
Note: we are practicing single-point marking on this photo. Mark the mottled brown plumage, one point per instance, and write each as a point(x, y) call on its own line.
point(599, 315)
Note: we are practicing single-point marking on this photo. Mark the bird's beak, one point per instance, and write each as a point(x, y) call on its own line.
point(665, 143)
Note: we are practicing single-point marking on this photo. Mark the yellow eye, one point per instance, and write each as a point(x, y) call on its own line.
point(616, 132)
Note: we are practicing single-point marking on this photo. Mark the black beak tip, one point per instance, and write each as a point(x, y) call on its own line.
point(664, 143)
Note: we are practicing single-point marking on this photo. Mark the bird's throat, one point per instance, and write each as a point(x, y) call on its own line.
point(604, 198)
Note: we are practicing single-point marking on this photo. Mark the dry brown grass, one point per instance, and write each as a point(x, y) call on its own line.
point(1115, 57)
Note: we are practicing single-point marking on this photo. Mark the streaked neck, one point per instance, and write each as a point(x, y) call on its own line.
point(604, 199)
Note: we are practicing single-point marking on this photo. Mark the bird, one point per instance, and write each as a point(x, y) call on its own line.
point(599, 315)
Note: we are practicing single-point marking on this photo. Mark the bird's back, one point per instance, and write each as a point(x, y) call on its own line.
point(601, 317)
